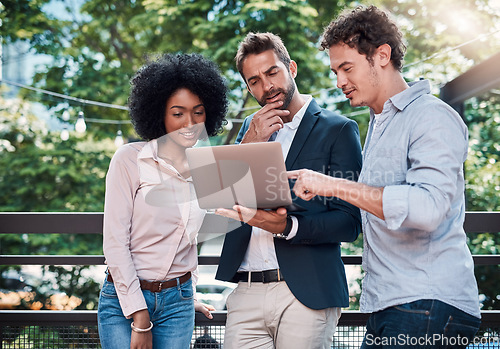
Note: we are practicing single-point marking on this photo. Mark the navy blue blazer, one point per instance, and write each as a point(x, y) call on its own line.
point(310, 262)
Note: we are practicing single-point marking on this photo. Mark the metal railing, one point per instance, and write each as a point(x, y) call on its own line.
point(78, 329)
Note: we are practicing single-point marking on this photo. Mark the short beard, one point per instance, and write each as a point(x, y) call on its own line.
point(288, 93)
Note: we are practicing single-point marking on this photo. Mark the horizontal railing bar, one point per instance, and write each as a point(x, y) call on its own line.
point(76, 260)
point(82, 223)
point(482, 222)
point(92, 222)
point(348, 318)
point(51, 222)
point(489, 318)
point(51, 260)
point(486, 259)
point(208, 260)
point(80, 317)
point(202, 260)
point(48, 317)
point(352, 260)
point(219, 319)
point(353, 318)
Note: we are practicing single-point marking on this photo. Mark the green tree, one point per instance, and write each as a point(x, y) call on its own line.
point(482, 113)
point(97, 52)
point(41, 173)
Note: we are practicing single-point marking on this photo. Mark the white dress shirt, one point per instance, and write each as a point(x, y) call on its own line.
point(260, 254)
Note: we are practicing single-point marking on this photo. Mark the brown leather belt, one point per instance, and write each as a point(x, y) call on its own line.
point(157, 286)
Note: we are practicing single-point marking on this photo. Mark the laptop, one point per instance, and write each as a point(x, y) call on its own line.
point(251, 174)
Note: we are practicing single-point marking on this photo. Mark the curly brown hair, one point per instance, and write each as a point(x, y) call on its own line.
point(366, 28)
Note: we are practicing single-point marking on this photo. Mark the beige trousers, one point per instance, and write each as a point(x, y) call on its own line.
point(269, 316)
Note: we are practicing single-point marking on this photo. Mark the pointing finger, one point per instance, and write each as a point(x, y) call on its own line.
point(293, 174)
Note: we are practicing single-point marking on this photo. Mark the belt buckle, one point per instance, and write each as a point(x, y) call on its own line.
point(264, 278)
point(156, 286)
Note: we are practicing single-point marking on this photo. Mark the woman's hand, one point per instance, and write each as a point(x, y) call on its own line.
point(141, 340)
point(204, 308)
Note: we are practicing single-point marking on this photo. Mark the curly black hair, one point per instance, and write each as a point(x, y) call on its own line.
point(366, 28)
point(154, 83)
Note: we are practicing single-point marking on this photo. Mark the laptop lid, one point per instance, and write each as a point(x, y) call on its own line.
point(251, 174)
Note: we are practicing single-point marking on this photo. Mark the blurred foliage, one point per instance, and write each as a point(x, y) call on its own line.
point(482, 170)
point(96, 46)
point(96, 53)
point(41, 173)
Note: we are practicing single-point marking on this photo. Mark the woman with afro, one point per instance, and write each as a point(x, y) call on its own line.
point(151, 216)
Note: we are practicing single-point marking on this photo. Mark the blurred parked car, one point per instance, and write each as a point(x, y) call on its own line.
point(211, 291)
point(214, 293)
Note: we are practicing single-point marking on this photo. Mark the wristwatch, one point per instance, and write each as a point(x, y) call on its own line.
point(287, 230)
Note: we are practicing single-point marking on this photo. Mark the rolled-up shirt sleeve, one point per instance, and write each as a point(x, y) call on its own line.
point(395, 205)
point(437, 150)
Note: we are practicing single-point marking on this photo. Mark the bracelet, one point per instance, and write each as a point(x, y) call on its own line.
point(288, 229)
point(141, 330)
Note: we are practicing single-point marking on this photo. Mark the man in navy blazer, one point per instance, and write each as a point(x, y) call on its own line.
point(291, 279)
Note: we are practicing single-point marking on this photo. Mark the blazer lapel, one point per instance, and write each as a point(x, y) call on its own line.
point(306, 125)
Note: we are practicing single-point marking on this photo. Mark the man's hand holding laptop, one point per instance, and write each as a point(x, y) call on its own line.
point(274, 221)
point(264, 123)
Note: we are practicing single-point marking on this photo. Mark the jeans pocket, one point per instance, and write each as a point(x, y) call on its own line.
point(407, 308)
point(459, 332)
point(108, 290)
point(108, 308)
point(186, 290)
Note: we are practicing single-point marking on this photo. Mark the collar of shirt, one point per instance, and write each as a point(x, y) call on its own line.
point(297, 118)
point(286, 134)
point(396, 103)
point(401, 100)
point(404, 98)
point(150, 151)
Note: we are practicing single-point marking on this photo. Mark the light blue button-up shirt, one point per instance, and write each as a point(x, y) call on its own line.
point(416, 151)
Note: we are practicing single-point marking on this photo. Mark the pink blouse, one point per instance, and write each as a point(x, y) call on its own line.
point(151, 219)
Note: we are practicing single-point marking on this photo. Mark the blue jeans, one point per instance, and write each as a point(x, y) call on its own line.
point(420, 324)
point(171, 311)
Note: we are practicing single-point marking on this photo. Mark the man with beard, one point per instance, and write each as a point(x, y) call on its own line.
point(291, 279)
